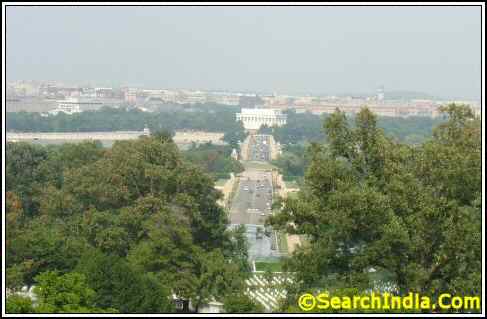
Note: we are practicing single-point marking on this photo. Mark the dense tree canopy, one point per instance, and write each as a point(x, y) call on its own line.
point(293, 162)
point(410, 212)
point(214, 159)
point(202, 117)
point(306, 128)
point(128, 226)
point(124, 229)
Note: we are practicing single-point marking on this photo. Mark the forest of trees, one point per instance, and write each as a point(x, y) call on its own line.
point(300, 128)
point(412, 213)
point(293, 161)
point(125, 228)
point(306, 128)
point(214, 159)
point(204, 117)
point(117, 230)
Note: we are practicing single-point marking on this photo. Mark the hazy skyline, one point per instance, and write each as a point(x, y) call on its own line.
point(321, 50)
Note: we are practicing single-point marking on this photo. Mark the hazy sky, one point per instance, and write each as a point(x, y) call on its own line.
point(321, 50)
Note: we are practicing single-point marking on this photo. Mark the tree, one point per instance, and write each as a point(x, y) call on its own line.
point(137, 221)
point(118, 285)
point(409, 212)
point(214, 159)
point(215, 278)
point(241, 303)
point(36, 250)
point(170, 117)
point(15, 217)
point(68, 293)
point(23, 174)
point(17, 304)
point(236, 249)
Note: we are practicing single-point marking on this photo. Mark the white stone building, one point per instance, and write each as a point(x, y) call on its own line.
point(253, 119)
point(75, 105)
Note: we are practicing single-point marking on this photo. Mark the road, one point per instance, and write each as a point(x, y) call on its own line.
point(252, 203)
point(253, 199)
point(260, 149)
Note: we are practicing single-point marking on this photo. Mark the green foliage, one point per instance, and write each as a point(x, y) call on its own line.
point(132, 224)
point(68, 293)
point(17, 304)
point(202, 117)
point(268, 266)
point(118, 285)
point(410, 130)
point(30, 167)
point(300, 127)
point(35, 250)
point(241, 303)
point(411, 211)
point(214, 159)
point(24, 175)
point(293, 161)
point(236, 249)
point(306, 127)
point(234, 136)
point(215, 277)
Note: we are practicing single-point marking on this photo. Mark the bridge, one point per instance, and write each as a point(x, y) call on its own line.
point(181, 137)
point(75, 136)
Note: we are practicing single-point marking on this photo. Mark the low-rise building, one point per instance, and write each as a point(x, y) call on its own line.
point(75, 105)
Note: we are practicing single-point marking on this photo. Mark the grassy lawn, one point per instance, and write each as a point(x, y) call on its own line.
point(291, 184)
point(293, 195)
point(233, 192)
point(221, 182)
point(268, 266)
point(282, 240)
point(257, 165)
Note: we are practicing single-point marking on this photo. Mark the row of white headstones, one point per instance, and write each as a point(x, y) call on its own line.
point(267, 293)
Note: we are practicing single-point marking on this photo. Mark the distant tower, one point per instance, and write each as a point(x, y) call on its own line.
point(380, 93)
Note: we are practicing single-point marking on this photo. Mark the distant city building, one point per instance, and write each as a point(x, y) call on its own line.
point(104, 92)
point(223, 98)
point(75, 105)
point(192, 97)
point(131, 96)
point(250, 101)
point(253, 119)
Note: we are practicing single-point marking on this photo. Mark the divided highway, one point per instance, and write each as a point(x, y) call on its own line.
point(252, 202)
